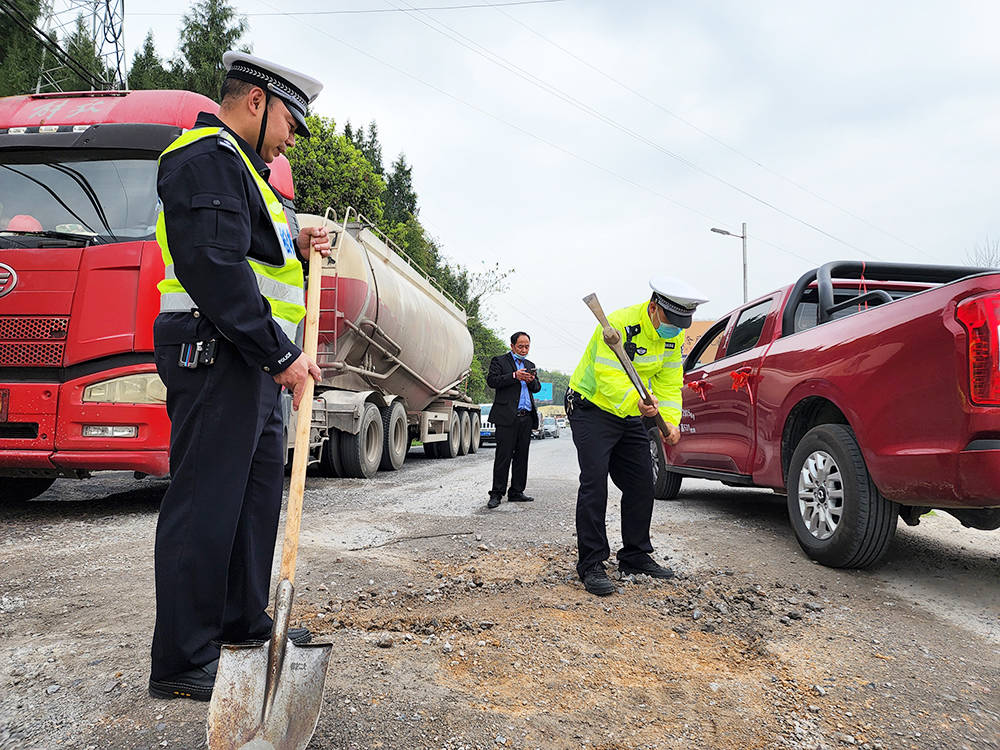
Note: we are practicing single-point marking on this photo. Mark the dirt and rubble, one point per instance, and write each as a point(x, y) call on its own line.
point(461, 629)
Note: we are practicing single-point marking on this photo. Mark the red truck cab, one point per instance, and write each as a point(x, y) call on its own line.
point(79, 264)
point(865, 392)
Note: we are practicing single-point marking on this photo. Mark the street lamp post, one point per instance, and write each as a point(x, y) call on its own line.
point(744, 238)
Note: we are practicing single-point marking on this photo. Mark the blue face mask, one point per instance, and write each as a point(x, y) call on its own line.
point(667, 332)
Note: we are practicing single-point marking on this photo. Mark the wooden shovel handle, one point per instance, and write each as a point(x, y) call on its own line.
point(614, 340)
point(300, 457)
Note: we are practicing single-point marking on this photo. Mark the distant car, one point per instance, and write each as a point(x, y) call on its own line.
point(561, 421)
point(549, 427)
point(487, 432)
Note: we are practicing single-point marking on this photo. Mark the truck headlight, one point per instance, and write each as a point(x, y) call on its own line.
point(142, 388)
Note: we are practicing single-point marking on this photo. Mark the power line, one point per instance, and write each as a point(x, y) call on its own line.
point(527, 132)
point(378, 10)
point(502, 62)
point(22, 20)
point(709, 135)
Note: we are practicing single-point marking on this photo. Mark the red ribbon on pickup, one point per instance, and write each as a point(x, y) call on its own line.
point(698, 386)
point(741, 379)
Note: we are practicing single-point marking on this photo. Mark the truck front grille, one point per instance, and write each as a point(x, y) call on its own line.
point(28, 341)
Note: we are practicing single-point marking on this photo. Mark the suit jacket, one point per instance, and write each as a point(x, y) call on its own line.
point(508, 389)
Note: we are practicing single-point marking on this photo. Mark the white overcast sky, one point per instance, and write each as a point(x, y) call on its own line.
point(876, 123)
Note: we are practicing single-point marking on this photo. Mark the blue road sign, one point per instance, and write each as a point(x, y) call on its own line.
point(545, 394)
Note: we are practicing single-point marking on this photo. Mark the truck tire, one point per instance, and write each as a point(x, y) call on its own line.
point(329, 458)
point(839, 517)
point(21, 489)
point(465, 431)
point(431, 450)
point(476, 426)
point(666, 484)
point(449, 448)
point(395, 437)
point(361, 454)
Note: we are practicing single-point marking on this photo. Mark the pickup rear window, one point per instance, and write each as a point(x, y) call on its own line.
point(97, 196)
point(805, 312)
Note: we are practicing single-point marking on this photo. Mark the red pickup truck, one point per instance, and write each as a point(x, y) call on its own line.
point(864, 392)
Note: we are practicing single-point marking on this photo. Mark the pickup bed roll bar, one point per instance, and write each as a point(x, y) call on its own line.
point(854, 269)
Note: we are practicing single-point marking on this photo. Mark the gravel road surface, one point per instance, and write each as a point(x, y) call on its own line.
point(459, 628)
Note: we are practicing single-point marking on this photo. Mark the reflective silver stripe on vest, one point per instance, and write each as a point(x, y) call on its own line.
point(182, 302)
point(269, 288)
point(610, 363)
point(279, 291)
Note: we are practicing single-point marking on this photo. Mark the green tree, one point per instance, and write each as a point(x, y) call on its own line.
point(209, 29)
point(330, 171)
point(400, 197)
point(20, 50)
point(148, 70)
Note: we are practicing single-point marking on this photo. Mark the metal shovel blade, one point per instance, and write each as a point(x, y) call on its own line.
point(237, 719)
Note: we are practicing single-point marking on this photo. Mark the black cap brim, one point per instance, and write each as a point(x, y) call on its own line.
point(681, 321)
point(301, 129)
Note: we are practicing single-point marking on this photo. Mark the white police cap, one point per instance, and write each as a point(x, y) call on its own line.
point(676, 298)
point(295, 89)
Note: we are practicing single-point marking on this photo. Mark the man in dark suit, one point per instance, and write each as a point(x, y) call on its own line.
point(512, 376)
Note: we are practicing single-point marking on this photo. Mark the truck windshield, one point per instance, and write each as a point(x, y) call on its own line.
point(98, 196)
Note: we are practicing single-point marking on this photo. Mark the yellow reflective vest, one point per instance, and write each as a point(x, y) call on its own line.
point(281, 285)
point(601, 378)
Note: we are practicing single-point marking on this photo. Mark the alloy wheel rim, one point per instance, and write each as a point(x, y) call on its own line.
point(821, 495)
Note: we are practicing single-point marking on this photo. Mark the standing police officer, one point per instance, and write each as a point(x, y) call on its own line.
point(604, 411)
point(230, 303)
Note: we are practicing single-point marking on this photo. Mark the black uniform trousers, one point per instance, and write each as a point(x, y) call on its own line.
point(511, 457)
point(219, 518)
point(608, 444)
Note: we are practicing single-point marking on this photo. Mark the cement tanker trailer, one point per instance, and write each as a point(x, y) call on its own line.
point(394, 349)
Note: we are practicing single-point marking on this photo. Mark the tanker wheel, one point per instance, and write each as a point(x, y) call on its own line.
point(20, 489)
point(477, 425)
point(395, 437)
point(329, 459)
point(361, 454)
point(450, 447)
point(465, 430)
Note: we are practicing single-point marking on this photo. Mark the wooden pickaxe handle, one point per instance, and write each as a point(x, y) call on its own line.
point(614, 340)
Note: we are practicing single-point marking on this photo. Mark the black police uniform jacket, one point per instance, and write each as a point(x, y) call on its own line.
point(207, 193)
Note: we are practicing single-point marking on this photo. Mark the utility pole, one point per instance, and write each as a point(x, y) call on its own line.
point(744, 238)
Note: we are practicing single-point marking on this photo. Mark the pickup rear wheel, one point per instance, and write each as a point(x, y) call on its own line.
point(20, 489)
point(666, 484)
point(839, 517)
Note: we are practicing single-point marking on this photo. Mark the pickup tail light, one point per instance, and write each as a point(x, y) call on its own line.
point(981, 318)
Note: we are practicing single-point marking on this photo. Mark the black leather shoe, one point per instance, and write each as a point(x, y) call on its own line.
point(195, 684)
point(645, 567)
point(596, 581)
point(493, 502)
point(520, 497)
